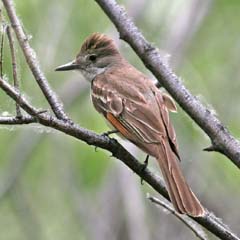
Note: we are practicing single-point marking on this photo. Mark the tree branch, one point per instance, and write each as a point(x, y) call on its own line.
point(27, 142)
point(17, 120)
point(14, 65)
point(33, 63)
point(208, 221)
point(3, 28)
point(186, 220)
point(222, 141)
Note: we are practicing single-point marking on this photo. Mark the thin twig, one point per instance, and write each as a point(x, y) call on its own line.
point(208, 221)
point(33, 63)
point(2, 48)
point(14, 65)
point(111, 145)
point(208, 122)
point(183, 218)
point(27, 142)
point(17, 120)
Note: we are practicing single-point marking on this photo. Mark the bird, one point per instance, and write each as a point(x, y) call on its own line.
point(137, 109)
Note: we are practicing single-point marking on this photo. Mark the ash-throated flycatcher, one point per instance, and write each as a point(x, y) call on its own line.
point(134, 106)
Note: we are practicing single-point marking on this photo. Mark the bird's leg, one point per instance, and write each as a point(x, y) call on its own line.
point(108, 133)
point(145, 164)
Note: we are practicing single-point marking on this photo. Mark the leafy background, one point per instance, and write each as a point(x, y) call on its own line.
point(55, 187)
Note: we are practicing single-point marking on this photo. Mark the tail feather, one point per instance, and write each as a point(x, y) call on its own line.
point(180, 193)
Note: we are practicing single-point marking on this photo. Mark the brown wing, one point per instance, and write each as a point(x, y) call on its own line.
point(165, 103)
point(138, 106)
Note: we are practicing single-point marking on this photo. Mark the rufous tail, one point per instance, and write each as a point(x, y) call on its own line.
point(181, 195)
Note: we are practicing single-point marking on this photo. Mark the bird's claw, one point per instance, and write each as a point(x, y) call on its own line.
point(108, 133)
point(144, 166)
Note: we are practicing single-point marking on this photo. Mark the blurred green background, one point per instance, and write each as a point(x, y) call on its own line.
point(55, 187)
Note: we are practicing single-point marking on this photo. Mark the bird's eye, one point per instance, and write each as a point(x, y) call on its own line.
point(92, 57)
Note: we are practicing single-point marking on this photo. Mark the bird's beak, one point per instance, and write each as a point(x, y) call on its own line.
point(68, 66)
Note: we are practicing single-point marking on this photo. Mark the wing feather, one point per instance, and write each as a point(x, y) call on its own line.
point(140, 107)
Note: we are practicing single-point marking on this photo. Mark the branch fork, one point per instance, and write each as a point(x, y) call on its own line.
point(151, 58)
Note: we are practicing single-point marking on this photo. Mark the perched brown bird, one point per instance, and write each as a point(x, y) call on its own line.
point(134, 106)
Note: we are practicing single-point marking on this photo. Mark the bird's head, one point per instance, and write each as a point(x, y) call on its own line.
point(98, 52)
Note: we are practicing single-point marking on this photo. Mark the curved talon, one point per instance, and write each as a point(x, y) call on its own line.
point(108, 133)
point(145, 164)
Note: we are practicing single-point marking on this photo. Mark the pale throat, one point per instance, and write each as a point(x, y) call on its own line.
point(91, 73)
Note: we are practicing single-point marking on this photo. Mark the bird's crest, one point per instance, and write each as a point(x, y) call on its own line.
point(99, 42)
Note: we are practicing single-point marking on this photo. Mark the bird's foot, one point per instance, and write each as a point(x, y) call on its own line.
point(108, 133)
point(144, 166)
